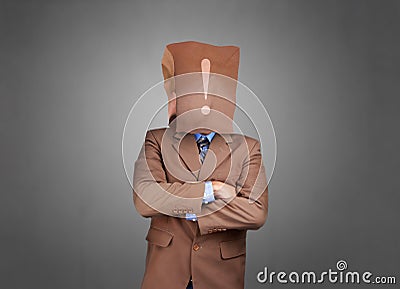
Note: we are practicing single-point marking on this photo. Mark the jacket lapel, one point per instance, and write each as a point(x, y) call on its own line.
point(186, 147)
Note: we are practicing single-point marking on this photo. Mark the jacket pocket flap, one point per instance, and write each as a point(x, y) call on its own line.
point(159, 237)
point(234, 248)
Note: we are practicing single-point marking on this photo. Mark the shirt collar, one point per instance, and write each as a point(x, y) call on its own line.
point(208, 136)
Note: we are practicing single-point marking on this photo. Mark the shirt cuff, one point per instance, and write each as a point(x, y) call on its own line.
point(208, 193)
point(191, 217)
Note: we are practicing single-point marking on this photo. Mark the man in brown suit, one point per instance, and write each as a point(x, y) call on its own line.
point(202, 185)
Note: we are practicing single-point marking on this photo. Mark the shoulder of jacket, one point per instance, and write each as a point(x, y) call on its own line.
point(156, 132)
point(240, 138)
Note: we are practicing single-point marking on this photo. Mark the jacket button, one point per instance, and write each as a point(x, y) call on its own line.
point(196, 247)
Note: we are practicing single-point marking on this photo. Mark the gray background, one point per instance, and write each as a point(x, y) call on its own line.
point(327, 71)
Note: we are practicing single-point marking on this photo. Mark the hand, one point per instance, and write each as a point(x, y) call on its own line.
point(223, 191)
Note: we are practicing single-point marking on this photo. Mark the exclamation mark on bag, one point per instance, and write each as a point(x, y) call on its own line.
point(205, 71)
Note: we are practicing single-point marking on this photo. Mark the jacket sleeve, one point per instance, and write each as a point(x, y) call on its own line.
point(153, 195)
point(248, 210)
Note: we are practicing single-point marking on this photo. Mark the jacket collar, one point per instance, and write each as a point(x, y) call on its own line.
point(185, 145)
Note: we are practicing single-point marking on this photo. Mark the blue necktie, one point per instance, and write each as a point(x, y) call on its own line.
point(203, 143)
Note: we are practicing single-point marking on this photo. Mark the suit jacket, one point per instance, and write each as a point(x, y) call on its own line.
point(169, 182)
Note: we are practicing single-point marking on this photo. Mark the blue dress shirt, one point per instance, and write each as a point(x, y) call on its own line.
point(208, 189)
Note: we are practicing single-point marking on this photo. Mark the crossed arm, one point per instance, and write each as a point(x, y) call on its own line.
point(246, 210)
